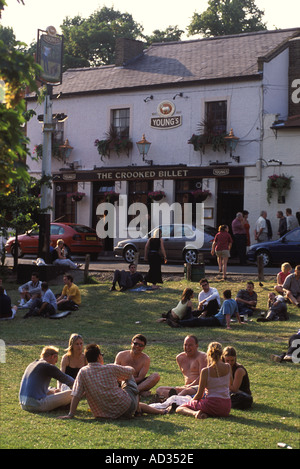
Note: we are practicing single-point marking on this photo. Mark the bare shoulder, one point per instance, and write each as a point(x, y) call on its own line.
point(122, 357)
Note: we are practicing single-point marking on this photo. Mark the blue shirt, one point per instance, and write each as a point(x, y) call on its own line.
point(228, 307)
point(49, 297)
point(37, 377)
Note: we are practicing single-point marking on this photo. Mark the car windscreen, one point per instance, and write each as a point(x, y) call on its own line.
point(83, 229)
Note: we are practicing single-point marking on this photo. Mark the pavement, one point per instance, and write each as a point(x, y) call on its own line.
point(108, 263)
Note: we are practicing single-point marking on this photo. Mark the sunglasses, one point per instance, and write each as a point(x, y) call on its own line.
point(138, 344)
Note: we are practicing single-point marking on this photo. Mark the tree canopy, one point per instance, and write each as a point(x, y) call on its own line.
point(226, 17)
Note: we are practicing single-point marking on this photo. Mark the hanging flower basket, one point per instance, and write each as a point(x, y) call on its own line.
point(76, 196)
point(156, 195)
point(200, 195)
point(281, 183)
point(111, 196)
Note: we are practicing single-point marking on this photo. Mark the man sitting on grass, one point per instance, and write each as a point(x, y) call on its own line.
point(190, 361)
point(70, 297)
point(127, 280)
point(140, 362)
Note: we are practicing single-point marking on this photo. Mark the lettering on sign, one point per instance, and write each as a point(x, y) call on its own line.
point(165, 122)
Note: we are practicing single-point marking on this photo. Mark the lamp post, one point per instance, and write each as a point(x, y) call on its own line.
point(49, 56)
point(143, 147)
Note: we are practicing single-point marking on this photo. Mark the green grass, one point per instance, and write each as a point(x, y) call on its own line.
point(109, 319)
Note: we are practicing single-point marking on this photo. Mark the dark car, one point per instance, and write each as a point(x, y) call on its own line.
point(181, 243)
point(79, 239)
point(284, 249)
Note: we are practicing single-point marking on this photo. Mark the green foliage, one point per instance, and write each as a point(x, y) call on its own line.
point(17, 72)
point(226, 17)
point(280, 182)
point(91, 41)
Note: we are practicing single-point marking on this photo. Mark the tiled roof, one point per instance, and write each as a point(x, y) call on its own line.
point(184, 62)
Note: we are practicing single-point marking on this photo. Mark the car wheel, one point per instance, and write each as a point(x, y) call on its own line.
point(267, 260)
point(20, 252)
point(129, 254)
point(190, 256)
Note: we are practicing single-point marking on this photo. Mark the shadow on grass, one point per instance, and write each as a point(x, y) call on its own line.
point(248, 418)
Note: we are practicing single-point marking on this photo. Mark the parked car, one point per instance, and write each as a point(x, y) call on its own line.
point(179, 241)
point(79, 239)
point(284, 249)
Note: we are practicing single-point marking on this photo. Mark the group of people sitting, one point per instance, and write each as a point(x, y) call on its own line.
point(39, 299)
point(211, 313)
point(214, 382)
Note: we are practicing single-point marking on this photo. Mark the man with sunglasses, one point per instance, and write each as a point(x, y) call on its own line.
point(209, 300)
point(140, 362)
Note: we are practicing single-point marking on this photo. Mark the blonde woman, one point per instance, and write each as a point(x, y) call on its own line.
point(286, 269)
point(60, 256)
point(213, 396)
point(74, 359)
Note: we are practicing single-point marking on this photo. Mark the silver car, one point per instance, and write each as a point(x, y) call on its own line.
point(181, 243)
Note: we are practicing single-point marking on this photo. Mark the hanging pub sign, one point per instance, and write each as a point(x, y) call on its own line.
point(165, 116)
point(50, 55)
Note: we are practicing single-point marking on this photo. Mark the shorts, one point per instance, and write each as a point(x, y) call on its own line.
point(225, 253)
point(131, 388)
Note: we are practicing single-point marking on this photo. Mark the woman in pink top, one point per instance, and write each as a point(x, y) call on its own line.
point(221, 246)
point(286, 269)
point(214, 382)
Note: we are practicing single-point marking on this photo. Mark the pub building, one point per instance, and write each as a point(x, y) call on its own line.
point(217, 115)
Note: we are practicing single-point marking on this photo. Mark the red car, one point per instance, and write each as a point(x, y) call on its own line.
point(79, 239)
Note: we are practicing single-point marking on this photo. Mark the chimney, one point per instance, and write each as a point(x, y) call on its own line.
point(127, 49)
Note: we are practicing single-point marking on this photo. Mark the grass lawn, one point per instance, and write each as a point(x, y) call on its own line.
point(111, 319)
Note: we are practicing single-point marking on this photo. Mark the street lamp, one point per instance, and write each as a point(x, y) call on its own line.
point(65, 150)
point(143, 147)
point(231, 143)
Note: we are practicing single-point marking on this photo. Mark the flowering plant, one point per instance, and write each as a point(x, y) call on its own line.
point(111, 196)
point(200, 192)
point(76, 196)
point(156, 195)
point(280, 182)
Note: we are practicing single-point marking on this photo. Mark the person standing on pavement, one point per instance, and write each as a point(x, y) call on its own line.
point(291, 220)
point(240, 237)
point(261, 228)
point(282, 227)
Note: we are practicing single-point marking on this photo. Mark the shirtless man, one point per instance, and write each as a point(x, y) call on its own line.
point(140, 361)
point(190, 362)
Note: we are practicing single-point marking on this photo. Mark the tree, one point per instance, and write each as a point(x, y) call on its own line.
point(172, 33)
point(226, 17)
point(91, 42)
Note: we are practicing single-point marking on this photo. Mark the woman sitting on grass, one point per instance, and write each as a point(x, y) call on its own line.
point(213, 397)
point(74, 359)
point(240, 393)
point(183, 310)
point(286, 269)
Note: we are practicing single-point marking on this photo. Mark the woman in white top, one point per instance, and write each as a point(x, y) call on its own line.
point(214, 382)
point(61, 257)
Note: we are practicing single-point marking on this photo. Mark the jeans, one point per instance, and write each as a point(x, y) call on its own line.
point(49, 402)
point(200, 322)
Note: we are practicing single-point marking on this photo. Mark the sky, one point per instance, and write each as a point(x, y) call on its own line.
point(155, 14)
